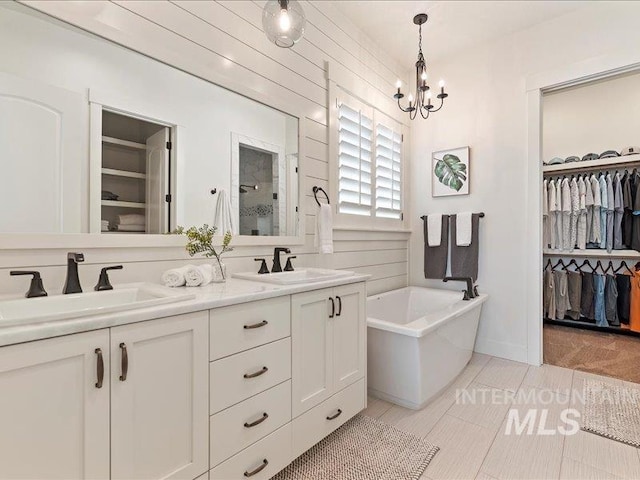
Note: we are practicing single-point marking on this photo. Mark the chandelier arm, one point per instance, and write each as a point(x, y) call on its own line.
point(403, 109)
point(422, 113)
point(441, 104)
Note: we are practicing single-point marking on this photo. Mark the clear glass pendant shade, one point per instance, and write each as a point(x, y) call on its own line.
point(283, 22)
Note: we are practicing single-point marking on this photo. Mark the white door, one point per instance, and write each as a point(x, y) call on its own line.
point(159, 398)
point(349, 335)
point(55, 421)
point(157, 181)
point(43, 133)
point(312, 349)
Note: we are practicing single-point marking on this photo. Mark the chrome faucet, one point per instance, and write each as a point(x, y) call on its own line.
point(72, 283)
point(276, 258)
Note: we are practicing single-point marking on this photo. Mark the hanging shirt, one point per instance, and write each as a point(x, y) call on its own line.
point(618, 212)
point(603, 211)
point(635, 195)
point(549, 295)
point(610, 212)
point(581, 241)
point(559, 214)
point(575, 210)
point(597, 205)
point(562, 293)
point(627, 219)
point(589, 205)
point(553, 213)
point(546, 239)
point(566, 214)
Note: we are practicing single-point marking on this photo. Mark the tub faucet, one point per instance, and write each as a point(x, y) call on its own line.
point(470, 292)
point(276, 258)
point(72, 284)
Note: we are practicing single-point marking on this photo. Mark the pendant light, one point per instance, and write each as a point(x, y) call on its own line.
point(421, 101)
point(283, 22)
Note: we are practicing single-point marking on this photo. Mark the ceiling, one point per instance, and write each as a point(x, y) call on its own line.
point(452, 25)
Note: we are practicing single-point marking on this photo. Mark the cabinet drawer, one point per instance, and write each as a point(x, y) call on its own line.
point(230, 431)
point(233, 379)
point(273, 451)
point(313, 426)
point(241, 327)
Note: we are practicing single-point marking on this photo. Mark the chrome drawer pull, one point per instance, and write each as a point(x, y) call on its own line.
point(262, 371)
point(256, 325)
point(265, 462)
point(333, 417)
point(265, 415)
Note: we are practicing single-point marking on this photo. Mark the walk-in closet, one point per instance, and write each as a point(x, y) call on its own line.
point(591, 227)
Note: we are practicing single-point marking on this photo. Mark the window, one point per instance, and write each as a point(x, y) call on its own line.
point(369, 162)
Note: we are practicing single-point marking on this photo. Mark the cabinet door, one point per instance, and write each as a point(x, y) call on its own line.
point(311, 343)
point(55, 422)
point(159, 410)
point(349, 333)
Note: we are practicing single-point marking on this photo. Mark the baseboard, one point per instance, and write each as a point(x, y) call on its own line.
point(507, 350)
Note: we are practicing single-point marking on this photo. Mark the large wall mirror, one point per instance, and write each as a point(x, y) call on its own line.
point(100, 139)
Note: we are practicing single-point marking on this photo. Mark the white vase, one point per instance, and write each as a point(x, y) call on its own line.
point(219, 272)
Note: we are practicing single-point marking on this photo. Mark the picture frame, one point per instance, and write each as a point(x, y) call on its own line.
point(450, 172)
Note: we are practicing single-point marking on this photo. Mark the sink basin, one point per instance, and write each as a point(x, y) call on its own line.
point(304, 275)
point(61, 307)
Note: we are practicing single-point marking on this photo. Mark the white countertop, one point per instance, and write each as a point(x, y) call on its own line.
point(232, 292)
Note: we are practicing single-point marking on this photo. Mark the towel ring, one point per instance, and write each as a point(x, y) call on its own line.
point(317, 189)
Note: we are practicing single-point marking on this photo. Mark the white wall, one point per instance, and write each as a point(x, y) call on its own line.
point(224, 40)
point(487, 110)
point(595, 117)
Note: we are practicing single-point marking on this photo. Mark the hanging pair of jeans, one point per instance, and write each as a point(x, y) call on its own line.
point(599, 303)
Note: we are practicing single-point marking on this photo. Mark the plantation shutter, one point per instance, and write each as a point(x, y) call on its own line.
point(388, 172)
point(355, 144)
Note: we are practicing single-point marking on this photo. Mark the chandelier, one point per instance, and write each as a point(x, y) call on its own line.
point(422, 100)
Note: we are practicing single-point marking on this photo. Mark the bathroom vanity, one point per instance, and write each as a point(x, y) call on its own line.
point(234, 383)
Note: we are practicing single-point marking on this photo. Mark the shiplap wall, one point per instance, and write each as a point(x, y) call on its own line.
point(225, 40)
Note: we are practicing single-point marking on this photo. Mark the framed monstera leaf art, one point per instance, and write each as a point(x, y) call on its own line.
point(450, 172)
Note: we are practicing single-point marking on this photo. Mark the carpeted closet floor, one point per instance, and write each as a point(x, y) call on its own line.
point(595, 352)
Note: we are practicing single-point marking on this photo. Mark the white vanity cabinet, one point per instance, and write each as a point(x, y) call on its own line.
point(55, 421)
point(328, 343)
point(148, 419)
point(159, 398)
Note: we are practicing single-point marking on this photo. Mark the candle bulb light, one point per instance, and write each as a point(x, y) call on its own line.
point(398, 85)
point(441, 86)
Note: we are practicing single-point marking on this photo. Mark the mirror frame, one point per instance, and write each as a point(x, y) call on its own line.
point(114, 102)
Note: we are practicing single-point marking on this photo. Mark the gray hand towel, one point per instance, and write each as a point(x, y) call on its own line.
point(435, 258)
point(464, 260)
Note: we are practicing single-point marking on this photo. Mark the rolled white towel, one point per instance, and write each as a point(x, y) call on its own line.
point(175, 277)
point(198, 275)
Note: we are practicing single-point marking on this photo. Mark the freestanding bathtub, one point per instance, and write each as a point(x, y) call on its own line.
point(418, 341)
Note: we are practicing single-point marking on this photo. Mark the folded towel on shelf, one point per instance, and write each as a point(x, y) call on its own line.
point(223, 216)
point(435, 258)
point(435, 229)
point(463, 229)
point(198, 275)
point(131, 228)
point(464, 260)
point(131, 219)
point(107, 195)
point(175, 277)
point(324, 229)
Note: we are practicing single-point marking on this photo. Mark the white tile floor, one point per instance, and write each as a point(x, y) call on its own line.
point(472, 438)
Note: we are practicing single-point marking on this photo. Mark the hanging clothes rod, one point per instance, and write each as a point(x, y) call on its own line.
point(480, 214)
point(317, 189)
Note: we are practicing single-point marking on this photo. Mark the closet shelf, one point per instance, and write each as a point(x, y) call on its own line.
point(114, 203)
point(593, 253)
point(123, 173)
point(125, 143)
point(591, 326)
point(600, 164)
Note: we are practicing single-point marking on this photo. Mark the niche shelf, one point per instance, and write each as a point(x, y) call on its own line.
point(114, 203)
point(123, 143)
point(600, 164)
point(123, 173)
